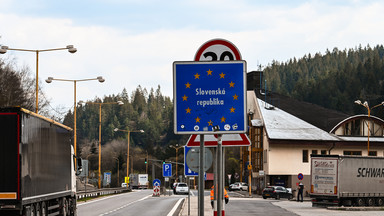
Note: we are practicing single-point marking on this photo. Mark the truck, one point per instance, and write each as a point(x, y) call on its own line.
point(37, 164)
point(343, 180)
point(138, 181)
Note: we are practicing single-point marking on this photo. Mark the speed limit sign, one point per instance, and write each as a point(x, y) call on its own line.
point(217, 50)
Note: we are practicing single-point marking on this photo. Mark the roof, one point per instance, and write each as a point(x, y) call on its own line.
point(316, 115)
point(283, 126)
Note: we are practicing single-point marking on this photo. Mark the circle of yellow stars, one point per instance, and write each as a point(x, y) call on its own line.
point(209, 73)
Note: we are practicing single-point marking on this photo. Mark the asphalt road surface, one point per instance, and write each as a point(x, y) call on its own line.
point(133, 203)
point(246, 207)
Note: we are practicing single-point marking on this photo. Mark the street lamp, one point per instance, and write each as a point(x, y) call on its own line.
point(128, 137)
point(70, 48)
point(50, 79)
point(120, 103)
point(176, 147)
point(365, 104)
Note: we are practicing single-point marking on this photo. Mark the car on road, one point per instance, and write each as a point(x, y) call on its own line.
point(181, 188)
point(277, 192)
point(238, 186)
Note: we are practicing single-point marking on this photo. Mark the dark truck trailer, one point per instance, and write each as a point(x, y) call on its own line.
point(36, 165)
point(347, 180)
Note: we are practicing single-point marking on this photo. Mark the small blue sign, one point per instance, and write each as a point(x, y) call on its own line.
point(167, 170)
point(187, 171)
point(210, 97)
point(156, 183)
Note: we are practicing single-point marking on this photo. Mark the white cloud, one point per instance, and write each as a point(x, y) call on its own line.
point(128, 58)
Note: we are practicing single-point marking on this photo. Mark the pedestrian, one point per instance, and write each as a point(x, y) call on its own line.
point(300, 193)
point(226, 197)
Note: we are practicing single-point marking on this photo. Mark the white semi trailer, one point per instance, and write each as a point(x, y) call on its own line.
point(347, 180)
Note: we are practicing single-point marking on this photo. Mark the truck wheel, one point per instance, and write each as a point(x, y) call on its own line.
point(380, 202)
point(360, 202)
point(33, 210)
point(72, 207)
point(38, 209)
point(371, 202)
point(64, 207)
point(44, 210)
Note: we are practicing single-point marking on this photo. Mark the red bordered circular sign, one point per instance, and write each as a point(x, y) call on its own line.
point(217, 50)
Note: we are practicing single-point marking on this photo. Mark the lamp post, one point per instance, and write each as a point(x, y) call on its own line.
point(70, 48)
point(50, 79)
point(120, 103)
point(176, 147)
point(365, 104)
point(128, 137)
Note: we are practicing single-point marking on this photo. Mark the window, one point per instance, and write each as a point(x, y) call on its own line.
point(305, 156)
point(352, 152)
point(314, 152)
point(372, 153)
point(265, 156)
point(323, 152)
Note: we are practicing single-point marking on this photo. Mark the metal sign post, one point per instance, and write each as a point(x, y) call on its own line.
point(201, 177)
point(219, 167)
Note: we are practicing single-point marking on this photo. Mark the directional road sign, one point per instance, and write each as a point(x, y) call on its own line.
point(210, 97)
point(187, 170)
point(167, 170)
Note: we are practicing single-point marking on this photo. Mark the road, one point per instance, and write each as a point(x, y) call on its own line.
point(142, 203)
point(246, 207)
point(133, 203)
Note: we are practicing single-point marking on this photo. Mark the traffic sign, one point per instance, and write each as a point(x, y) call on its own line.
point(191, 160)
point(156, 187)
point(187, 170)
point(227, 140)
point(210, 97)
point(300, 176)
point(167, 170)
point(217, 50)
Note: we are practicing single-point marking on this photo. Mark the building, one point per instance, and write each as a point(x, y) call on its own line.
point(285, 132)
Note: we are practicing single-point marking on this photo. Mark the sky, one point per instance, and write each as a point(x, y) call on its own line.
point(135, 42)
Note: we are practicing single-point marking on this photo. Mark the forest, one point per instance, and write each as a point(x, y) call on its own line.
point(333, 80)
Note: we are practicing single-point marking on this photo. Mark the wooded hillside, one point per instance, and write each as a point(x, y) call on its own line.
point(333, 80)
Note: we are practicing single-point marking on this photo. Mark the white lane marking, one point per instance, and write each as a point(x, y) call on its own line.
point(121, 207)
point(107, 197)
point(97, 200)
point(175, 207)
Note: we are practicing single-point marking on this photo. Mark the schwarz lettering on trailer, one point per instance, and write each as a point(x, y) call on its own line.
point(370, 172)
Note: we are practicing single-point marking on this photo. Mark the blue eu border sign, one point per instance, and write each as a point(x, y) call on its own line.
point(209, 95)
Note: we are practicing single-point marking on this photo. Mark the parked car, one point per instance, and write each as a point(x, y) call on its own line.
point(277, 192)
point(181, 188)
point(238, 186)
